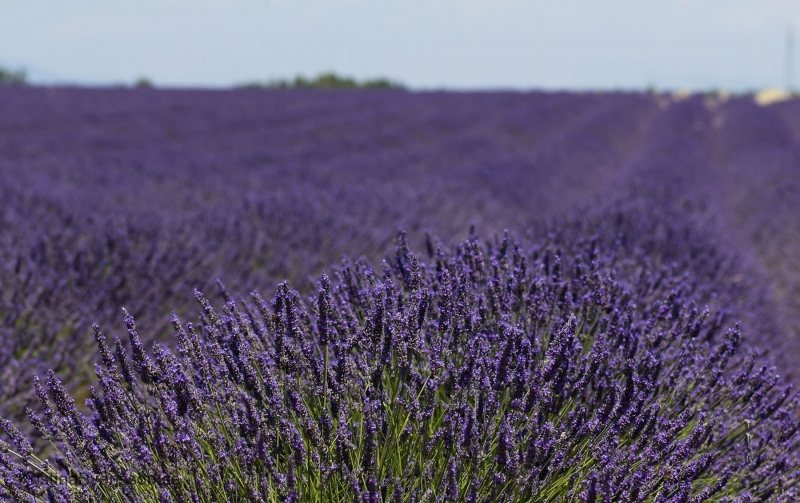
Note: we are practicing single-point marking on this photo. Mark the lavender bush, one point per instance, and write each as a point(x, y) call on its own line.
point(489, 373)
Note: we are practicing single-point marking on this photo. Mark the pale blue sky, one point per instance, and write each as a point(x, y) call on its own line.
point(571, 44)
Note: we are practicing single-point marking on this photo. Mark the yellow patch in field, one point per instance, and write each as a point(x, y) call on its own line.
point(771, 95)
point(681, 94)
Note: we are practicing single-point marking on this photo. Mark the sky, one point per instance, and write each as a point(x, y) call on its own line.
point(737, 45)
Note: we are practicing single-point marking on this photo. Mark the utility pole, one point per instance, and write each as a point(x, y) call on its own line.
point(789, 58)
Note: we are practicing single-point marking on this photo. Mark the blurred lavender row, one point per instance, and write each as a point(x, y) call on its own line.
point(133, 198)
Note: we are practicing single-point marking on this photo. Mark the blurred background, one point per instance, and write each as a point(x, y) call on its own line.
point(733, 45)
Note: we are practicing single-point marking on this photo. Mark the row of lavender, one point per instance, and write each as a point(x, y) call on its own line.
point(121, 198)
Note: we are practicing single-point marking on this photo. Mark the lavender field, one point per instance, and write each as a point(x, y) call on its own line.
point(561, 294)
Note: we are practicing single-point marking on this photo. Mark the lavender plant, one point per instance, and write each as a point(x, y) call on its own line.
point(490, 372)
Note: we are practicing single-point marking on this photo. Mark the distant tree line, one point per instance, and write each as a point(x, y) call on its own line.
point(12, 77)
point(329, 80)
point(143, 83)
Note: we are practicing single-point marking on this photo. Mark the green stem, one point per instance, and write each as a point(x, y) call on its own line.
point(325, 382)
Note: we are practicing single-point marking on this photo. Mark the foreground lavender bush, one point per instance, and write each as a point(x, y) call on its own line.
point(490, 374)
